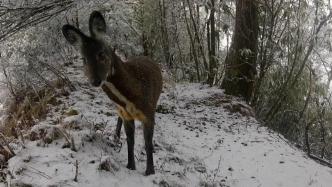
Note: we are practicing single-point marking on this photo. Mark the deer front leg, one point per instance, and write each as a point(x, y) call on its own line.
point(118, 128)
point(130, 133)
point(148, 135)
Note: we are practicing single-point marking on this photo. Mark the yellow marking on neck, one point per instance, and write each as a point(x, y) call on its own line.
point(130, 112)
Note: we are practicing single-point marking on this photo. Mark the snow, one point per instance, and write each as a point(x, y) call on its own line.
point(198, 142)
point(3, 95)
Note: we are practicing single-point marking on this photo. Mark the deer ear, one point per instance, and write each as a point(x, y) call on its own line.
point(97, 24)
point(73, 35)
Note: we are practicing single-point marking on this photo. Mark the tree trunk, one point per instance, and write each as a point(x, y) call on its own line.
point(197, 35)
point(212, 51)
point(192, 45)
point(164, 30)
point(145, 44)
point(241, 60)
point(306, 138)
point(322, 140)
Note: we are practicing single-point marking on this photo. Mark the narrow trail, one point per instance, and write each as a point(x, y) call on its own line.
point(198, 142)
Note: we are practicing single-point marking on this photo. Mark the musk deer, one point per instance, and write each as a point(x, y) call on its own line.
point(134, 86)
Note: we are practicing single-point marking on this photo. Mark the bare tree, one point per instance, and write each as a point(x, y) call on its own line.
point(13, 19)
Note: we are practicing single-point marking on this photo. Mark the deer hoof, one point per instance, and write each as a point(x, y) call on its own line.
point(149, 172)
point(131, 166)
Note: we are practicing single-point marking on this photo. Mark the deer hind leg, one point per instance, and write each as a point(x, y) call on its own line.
point(148, 128)
point(130, 133)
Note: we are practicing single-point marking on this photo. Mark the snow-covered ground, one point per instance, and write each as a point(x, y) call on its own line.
point(198, 142)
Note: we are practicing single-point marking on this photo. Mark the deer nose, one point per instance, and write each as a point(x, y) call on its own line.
point(96, 83)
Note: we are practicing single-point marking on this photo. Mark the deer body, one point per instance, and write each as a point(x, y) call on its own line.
point(134, 86)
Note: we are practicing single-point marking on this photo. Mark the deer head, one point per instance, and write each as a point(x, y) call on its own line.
point(94, 50)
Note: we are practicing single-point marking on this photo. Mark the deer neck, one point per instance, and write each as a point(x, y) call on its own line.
point(118, 72)
point(117, 85)
point(122, 88)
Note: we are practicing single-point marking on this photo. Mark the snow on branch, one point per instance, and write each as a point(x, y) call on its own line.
point(15, 18)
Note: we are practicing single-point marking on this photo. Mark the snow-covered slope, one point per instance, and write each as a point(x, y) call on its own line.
point(198, 142)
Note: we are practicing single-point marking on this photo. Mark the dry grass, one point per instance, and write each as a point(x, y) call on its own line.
point(29, 107)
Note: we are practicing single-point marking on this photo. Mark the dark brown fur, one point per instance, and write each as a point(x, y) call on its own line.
point(139, 80)
point(135, 86)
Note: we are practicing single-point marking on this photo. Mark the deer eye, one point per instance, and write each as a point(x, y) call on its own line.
point(101, 57)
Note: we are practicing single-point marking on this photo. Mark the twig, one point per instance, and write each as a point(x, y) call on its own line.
point(21, 136)
point(32, 16)
point(76, 171)
point(36, 171)
point(72, 144)
point(8, 152)
point(217, 170)
point(69, 139)
point(64, 134)
point(6, 143)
